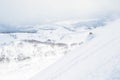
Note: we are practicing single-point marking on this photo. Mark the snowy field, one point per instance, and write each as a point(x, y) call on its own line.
point(66, 50)
point(59, 39)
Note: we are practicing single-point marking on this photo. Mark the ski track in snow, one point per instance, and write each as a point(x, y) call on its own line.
point(80, 58)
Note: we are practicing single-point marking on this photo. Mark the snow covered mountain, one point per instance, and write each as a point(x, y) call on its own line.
point(97, 59)
point(50, 49)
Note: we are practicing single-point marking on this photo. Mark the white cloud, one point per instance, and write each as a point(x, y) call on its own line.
point(37, 11)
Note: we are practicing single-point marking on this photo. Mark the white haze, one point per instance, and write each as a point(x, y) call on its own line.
point(17, 12)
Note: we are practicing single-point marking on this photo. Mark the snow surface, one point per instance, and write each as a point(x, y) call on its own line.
point(95, 60)
point(68, 50)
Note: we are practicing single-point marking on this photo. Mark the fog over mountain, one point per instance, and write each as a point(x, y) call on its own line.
point(20, 12)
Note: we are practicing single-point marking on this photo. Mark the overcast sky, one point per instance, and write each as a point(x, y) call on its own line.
point(39, 11)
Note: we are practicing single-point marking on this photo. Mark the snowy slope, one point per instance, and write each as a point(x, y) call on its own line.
point(96, 60)
point(30, 50)
point(26, 53)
